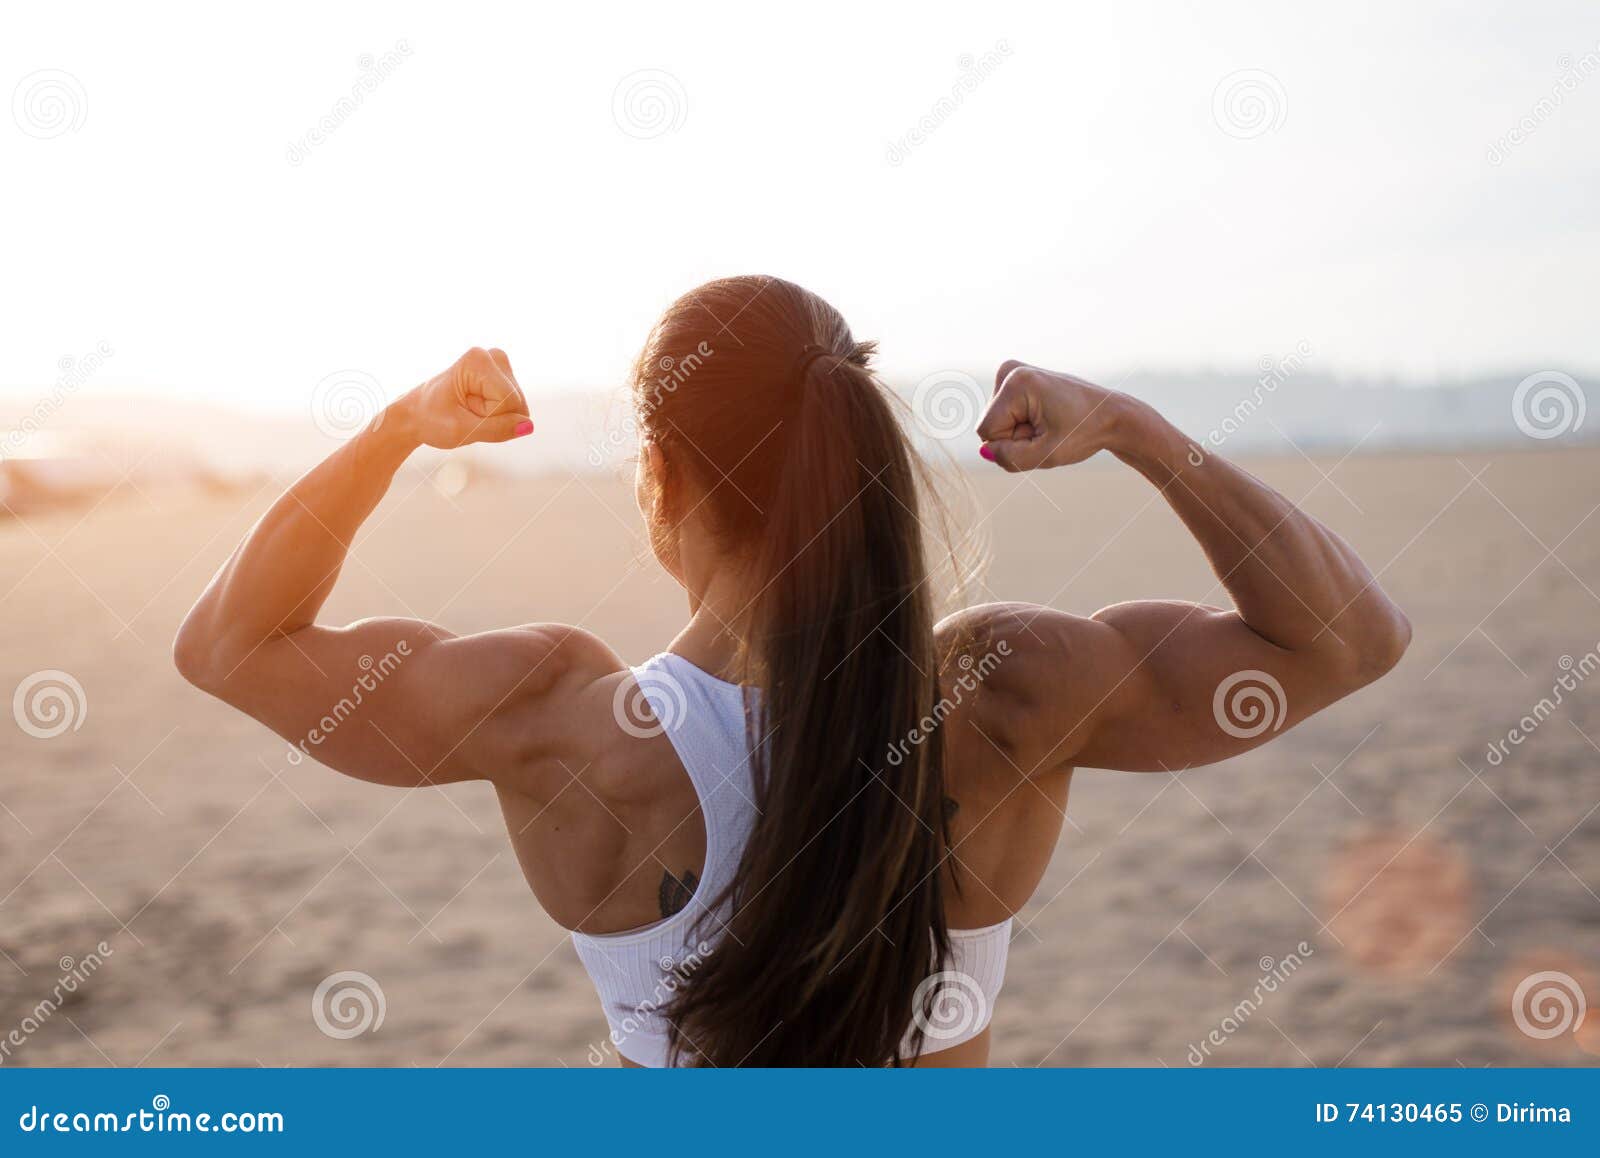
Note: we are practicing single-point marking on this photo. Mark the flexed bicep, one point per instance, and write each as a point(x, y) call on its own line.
point(406, 703)
point(1160, 686)
point(1142, 686)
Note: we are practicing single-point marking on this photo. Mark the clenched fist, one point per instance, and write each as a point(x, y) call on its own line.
point(476, 400)
point(1040, 419)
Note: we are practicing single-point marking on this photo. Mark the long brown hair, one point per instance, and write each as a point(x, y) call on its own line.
point(757, 389)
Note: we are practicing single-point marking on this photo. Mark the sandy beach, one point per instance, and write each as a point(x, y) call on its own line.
point(1392, 880)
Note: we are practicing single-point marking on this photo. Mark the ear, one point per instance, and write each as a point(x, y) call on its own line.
point(655, 461)
point(651, 483)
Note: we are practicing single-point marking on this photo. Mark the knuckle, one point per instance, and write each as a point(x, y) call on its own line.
point(1006, 368)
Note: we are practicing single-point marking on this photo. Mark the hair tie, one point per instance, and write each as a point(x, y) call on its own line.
point(810, 354)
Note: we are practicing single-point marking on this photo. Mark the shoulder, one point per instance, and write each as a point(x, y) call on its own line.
point(554, 655)
point(533, 690)
point(1024, 674)
point(518, 666)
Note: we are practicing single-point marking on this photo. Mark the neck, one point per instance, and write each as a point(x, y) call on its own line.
point(713, 639)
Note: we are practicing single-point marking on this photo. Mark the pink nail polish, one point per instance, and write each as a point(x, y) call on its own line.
point(986, 452)
point(524, 427)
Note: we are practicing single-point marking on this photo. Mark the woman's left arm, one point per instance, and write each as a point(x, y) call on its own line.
point(395, 701)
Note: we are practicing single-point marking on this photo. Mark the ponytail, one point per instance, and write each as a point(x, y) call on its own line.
point(836, 913)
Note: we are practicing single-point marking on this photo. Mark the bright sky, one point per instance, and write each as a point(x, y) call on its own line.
point(1091, 203)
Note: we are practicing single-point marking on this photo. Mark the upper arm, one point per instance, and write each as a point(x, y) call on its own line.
point(406, 703)
point(1144, 686)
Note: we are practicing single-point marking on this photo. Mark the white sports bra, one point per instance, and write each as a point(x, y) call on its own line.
point(637, 973)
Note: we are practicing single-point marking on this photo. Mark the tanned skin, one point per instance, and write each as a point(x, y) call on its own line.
point(607, 827)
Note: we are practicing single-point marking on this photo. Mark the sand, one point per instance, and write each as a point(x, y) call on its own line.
point(1367, 890)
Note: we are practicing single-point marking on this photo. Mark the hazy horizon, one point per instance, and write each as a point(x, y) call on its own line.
point(1284, 406)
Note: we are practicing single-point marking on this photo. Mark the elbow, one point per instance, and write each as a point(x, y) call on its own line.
point(197, 657)
point(1381, 644)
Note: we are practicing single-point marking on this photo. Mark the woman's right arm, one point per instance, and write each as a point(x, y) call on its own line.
point(1163, 685)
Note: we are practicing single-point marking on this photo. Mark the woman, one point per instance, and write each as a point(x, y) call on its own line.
point(799, 835)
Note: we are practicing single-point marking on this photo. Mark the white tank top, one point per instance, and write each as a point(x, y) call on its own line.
point(637, 973)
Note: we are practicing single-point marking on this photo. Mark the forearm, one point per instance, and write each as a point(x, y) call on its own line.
point(1293, 581)
point(281, 574)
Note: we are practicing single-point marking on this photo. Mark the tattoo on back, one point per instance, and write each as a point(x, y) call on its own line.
point(675, 892)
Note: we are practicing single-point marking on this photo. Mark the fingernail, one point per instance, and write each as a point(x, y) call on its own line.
point(524, 427)
point(985, 452)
